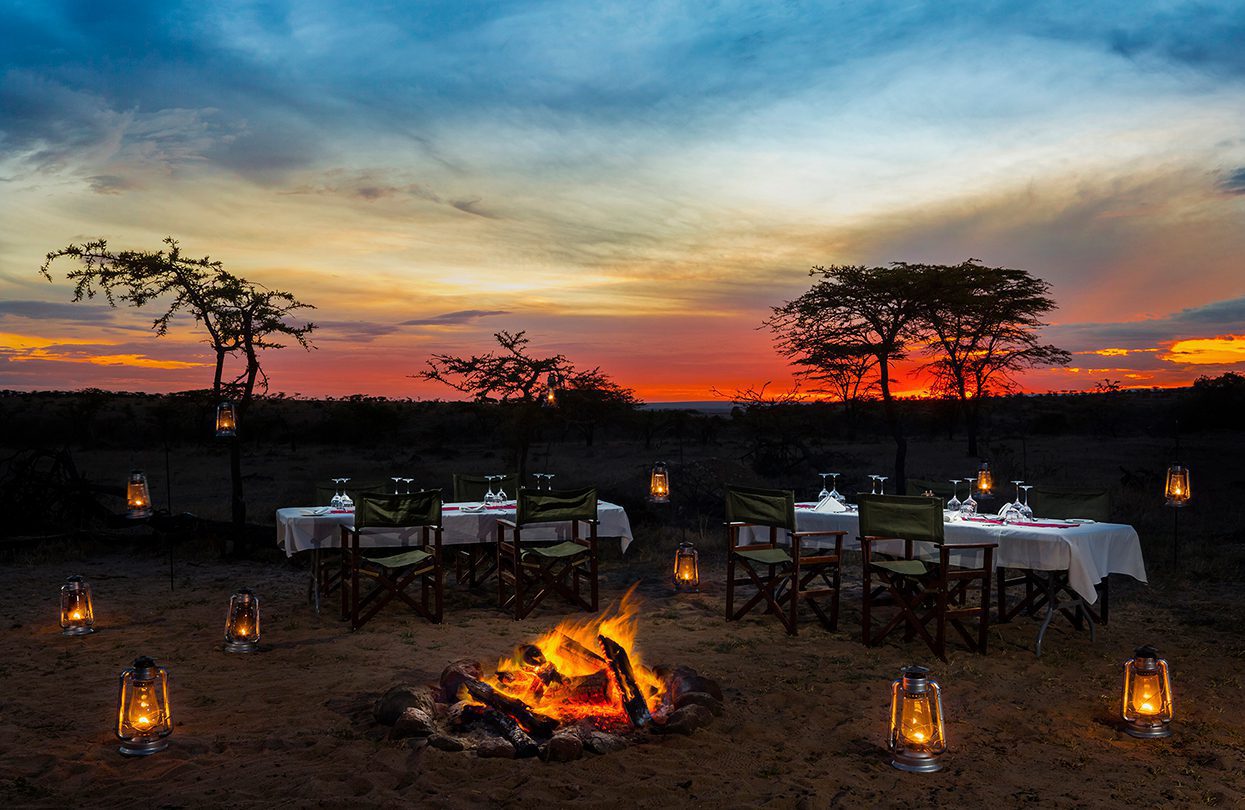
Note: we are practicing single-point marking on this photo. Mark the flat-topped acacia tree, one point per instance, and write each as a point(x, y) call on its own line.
point(240, 318)
point(512, 377)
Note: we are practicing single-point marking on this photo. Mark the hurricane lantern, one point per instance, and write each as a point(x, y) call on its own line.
point(550, 398)
point(242, 622)
point(917, 737)
point(1147, 705)
point(659, 483)
point(686, 568)
point(226, 420)
point(137, 496)
point(1178, 489)
point(985, 479)
point(144, 721)
point(77, 614)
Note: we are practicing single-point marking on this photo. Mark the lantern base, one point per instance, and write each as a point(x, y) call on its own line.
point(686, 588)
point(915, 762)
point(138, 514)
point(1148, 731)
point(226, 434)
point(143, 748)
point(659, 499)
point(241, 646)
point(77, 631)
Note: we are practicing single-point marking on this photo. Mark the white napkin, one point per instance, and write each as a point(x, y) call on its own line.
point(829, 505)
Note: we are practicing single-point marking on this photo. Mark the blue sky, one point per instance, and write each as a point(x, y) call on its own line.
point(619, 177)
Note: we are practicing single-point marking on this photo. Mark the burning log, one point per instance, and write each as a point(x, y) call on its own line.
point(629, 693)
point(534, 661)
point(505, 725)
point(570, 646)
point(532, 721)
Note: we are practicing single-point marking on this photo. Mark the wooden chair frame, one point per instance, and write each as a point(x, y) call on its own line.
point(531, 578)
point(783, 591)
point(390, 584)
point(939, 595)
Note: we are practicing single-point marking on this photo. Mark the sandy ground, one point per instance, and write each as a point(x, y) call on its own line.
point(804, 724)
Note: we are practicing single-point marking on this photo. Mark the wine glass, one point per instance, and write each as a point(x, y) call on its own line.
point(490, 497)
point(1025, 510)
point(336, 501)
point(873, 485)
point(825, 493)
point(953, 505)
point(347, 503)
point(397, 480)
point(834, 489)
point(408, 482)
point(501, 493)
point(881, 484)
point(549, 481)
point(968, 507)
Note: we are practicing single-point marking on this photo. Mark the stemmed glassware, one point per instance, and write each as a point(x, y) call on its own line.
point(834, 489)
point(547, 483)
point(397, 480)
point(968, 507)
point(490, 497)
point(346, 502)
point(501, 493)
point(408, 482)
point(953, 505)
point(1025, 510)
point(825, 493)
point(1012, 511)
point(881, 484)
point(336, 501)
point(873, 484)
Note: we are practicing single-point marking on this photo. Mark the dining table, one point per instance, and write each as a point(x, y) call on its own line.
point(1086, 552)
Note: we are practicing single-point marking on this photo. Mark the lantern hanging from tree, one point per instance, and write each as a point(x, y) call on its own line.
point(550, 398)
point(77, 613)
point(242, 622)
point(659, 483)
point(985, 479)
point(917, 736)
point(686, 568)
point(226, 420)
point(1178, 489)
point(137, 496)
point(144, 721)
point(1147, 706)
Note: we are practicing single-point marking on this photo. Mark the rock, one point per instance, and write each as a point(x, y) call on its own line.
point(412, 723)
point(444, 743)
point(495, 749)
point(400, 698)
point(452, 677)
point(464, 715)
point(700, 699)
point(600, 742)
point(563, 748)
point(686, 720)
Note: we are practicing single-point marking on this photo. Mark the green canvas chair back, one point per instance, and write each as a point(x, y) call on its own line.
point(393, 511)
point(1065, 502)
point(551, 506)
point(761, 507)
point(909, 517)
point(942, 489)
point(475, 487)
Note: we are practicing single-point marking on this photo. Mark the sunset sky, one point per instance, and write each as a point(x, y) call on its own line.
point(634, 184)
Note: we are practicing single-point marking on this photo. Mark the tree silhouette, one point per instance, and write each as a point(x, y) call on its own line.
point(514, 378)
point(869, 316)
point(985, 322)
point(239, 316)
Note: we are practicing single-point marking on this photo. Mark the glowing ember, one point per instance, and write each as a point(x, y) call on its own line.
point(565, 673)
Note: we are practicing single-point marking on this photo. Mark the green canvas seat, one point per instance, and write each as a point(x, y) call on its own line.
point(784, 578)
point(527, 572)
point(920, 592)
point(392, 570)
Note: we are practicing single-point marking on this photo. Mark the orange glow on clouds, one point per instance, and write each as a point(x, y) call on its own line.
point(1223, 350)
point(27, 348)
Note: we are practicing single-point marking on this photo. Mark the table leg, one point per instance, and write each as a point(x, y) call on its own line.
point(315, 579)
point(1052, 600)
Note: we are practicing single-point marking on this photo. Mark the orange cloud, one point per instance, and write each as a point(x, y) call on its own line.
point(1223, 350)
point(24, 348)
point(139, 360)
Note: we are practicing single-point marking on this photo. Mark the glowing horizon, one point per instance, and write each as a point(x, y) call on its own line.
point(634, 193)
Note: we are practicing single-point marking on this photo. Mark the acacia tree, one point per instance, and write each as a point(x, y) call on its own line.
point(985, 322)
point(239, 316)
point(869, 314)
point(513, 378)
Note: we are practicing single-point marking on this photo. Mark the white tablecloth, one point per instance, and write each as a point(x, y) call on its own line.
point(298, 531)
point(1088, 551)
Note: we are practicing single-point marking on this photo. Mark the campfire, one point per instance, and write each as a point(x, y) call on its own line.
point(581, 686)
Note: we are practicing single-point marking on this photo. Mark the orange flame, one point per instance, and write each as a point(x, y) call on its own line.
point(570, 679)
